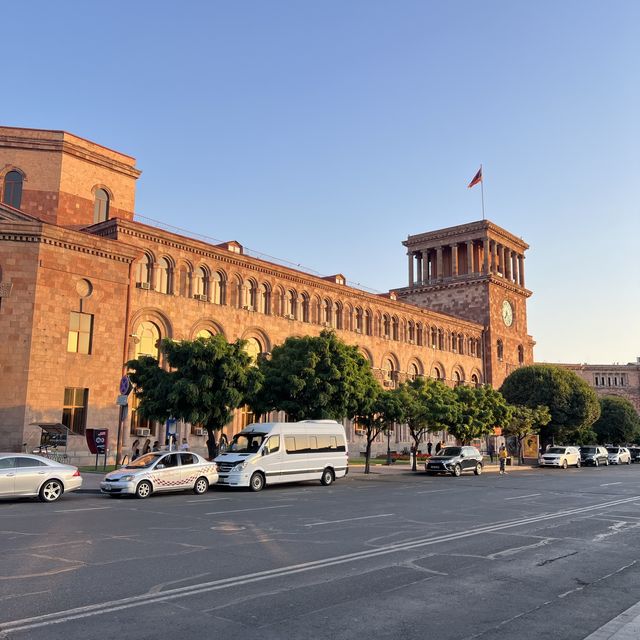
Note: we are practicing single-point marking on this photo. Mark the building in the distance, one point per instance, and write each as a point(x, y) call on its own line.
point(84, 287)
point(622, 380)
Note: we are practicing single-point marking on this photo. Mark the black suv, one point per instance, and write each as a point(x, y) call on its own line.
point(594, 455)
point(635, 454)
point(455, 460)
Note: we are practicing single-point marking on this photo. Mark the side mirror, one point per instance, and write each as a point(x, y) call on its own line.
point(264, 452)
point(159, 466)
point(462, 455)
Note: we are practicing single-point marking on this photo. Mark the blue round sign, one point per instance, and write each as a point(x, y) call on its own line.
point(125, 385)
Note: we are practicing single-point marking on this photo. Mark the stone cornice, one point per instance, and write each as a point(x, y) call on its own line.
point(463, 281)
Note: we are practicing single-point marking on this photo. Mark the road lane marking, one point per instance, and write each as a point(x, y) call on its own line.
point(217, 513)
point(317, 524)
point(208, 499)
point(83, 509)
point(111, 606)
point(608, 484)
point(435, 490)
point(529, 495)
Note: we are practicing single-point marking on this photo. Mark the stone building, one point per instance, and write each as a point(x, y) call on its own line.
point(622, 380)
point(84, 287)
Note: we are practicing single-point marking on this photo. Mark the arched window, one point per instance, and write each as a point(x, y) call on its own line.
point(249, 295)
point(253, 349)
point(264, 299)
point(164, 276)
point(200, 283)
point(520, 354)
point(148, 335)
point(305, 307)
point(183, 280)
point(441, 339)
point(12, 192)
point(218, 288)
point(457, 378)
point(367, 323)
point(338, 314)
point(204, 333)
point(419, 336)
point(434, 338)
point(143, 271)
point(414, 371)
point(348, 318)
point(291, 304)
point(474, 380)
point(412, 332)
point(359, 320)
point(388, 373)
point(460, 344)
point(101, 206)
point(327, 312)
point(386, 326)
point(437, 374)
point(395, 329)
point(500, 350)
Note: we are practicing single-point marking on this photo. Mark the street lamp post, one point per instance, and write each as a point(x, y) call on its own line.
point(388, 446)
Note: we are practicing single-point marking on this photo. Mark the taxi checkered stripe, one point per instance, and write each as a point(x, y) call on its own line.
point(176, 483)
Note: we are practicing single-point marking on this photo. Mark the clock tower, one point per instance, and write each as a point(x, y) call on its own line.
point(475, 271)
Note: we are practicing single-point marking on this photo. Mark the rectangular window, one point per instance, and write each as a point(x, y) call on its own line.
point(80, 332)
point(137, 421)
point(74, 411)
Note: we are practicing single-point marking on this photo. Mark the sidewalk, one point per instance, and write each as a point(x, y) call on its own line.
point(91, 481)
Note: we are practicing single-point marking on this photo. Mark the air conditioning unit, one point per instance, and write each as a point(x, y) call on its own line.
point(325, 324)
point(198, 431)
point(386, 336)
point(289, 316)
point(248, 307)
point(411, 341)
point(143, 432)
point(358, 330)
point(143, 285)
point(200, 296)
point(388, 383)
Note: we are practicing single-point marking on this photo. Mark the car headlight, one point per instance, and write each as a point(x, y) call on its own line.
point(240, 466)
point(126, 478)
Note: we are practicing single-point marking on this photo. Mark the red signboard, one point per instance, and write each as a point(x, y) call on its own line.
point(97, 440)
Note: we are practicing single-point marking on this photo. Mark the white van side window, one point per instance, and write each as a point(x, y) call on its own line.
point(273, 444)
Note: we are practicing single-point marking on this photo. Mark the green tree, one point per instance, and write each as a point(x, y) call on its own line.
point(618, 423)
point(524, 422)
point(480, 409)
point(573, 405)
point(377, 416)
point(314, 377)
point(206, 380)
point(427, 405)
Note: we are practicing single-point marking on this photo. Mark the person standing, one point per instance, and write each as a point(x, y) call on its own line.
point(185, 445)
point(429, 447)
point(492, 452)
point(147, 446)
point(156, 446)
point(135, 449)
point(438, 447)
point(502, 456)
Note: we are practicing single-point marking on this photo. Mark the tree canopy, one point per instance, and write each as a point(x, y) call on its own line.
point(315, 377)
point(525, 421)
point(206, 380)
point(572, 404)
point(618, 423)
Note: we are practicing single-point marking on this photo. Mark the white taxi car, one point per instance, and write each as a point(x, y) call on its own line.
point(161, 471)
point(560, 457)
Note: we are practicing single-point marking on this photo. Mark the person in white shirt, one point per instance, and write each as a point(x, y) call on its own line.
point(185, 445)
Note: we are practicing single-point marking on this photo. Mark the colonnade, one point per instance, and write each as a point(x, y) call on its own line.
point(459, 259)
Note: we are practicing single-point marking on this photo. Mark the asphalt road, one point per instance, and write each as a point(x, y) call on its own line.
point(543, 553)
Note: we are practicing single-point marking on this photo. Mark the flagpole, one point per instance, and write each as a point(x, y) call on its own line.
point(482, 190)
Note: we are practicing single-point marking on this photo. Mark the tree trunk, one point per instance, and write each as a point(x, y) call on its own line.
point(367, 455)
point(414, 463)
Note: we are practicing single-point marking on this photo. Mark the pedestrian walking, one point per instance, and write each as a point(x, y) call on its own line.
point(147, 446)
point(492, 452)
point(135, 449)
point(429, 447)
point(502, 456)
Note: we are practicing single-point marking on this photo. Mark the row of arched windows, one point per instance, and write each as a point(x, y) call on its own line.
point(203, 283)
point(500, 352)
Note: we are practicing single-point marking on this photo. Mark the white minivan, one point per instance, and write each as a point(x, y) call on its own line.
point(274, 452)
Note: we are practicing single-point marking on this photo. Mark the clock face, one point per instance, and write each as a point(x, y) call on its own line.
point(507, 313)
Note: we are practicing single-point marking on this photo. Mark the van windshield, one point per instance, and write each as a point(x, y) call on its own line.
point(246, 442)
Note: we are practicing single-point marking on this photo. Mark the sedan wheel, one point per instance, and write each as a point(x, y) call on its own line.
point(595, 462)
point(51, 490)
point(457, 470)
point(144, 490)
point(201, 486)
point(564, 464)
point(578, 464)
point(478, 469)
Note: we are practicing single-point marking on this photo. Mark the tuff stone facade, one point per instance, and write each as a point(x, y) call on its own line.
point(140, 283)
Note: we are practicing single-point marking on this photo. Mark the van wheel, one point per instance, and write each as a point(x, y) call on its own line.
point(144, 489)
point(564, 464)
point(478, 469)
point(201, 486)
point(257, 482)
point(327, 477)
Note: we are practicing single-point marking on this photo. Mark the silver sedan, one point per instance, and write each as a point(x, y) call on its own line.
point(24, 475)
point(161, 471)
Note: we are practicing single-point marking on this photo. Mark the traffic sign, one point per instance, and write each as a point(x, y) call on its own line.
point(125, 386)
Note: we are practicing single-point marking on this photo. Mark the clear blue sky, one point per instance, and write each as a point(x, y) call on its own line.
point(325, 132)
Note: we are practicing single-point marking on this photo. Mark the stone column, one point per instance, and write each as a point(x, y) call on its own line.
point(521, 269)
point(190, 284)
point(470, 268)
point(514, 276)
point(454, 260)
point(411, 280)
point(507, 263)
point(425, 267)
point(486, 248)
point(153, 276)
point(439, 274)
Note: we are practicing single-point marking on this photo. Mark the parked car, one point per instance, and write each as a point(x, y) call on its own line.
point(161, 471)
point(595, 455)
point(455, 460)
point(560, 457)
point(25, 474)
point(619, 455)
point(635, 454)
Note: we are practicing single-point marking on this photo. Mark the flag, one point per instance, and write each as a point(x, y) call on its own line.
point(477, 178)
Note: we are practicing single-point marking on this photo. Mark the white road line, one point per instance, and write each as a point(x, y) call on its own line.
point(317, 524)
point(83, 509)
point(608, 484)
point(100, 608)
point(529, 495)
point(208, 499)
point(217, 513)
point(435, 491)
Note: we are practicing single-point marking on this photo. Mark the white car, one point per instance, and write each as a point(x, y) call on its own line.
point(161, 471)
point(619, 455)
point(24, 475)
point(560, 457)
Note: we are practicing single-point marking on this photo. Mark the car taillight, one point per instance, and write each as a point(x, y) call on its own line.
point(76, 474)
